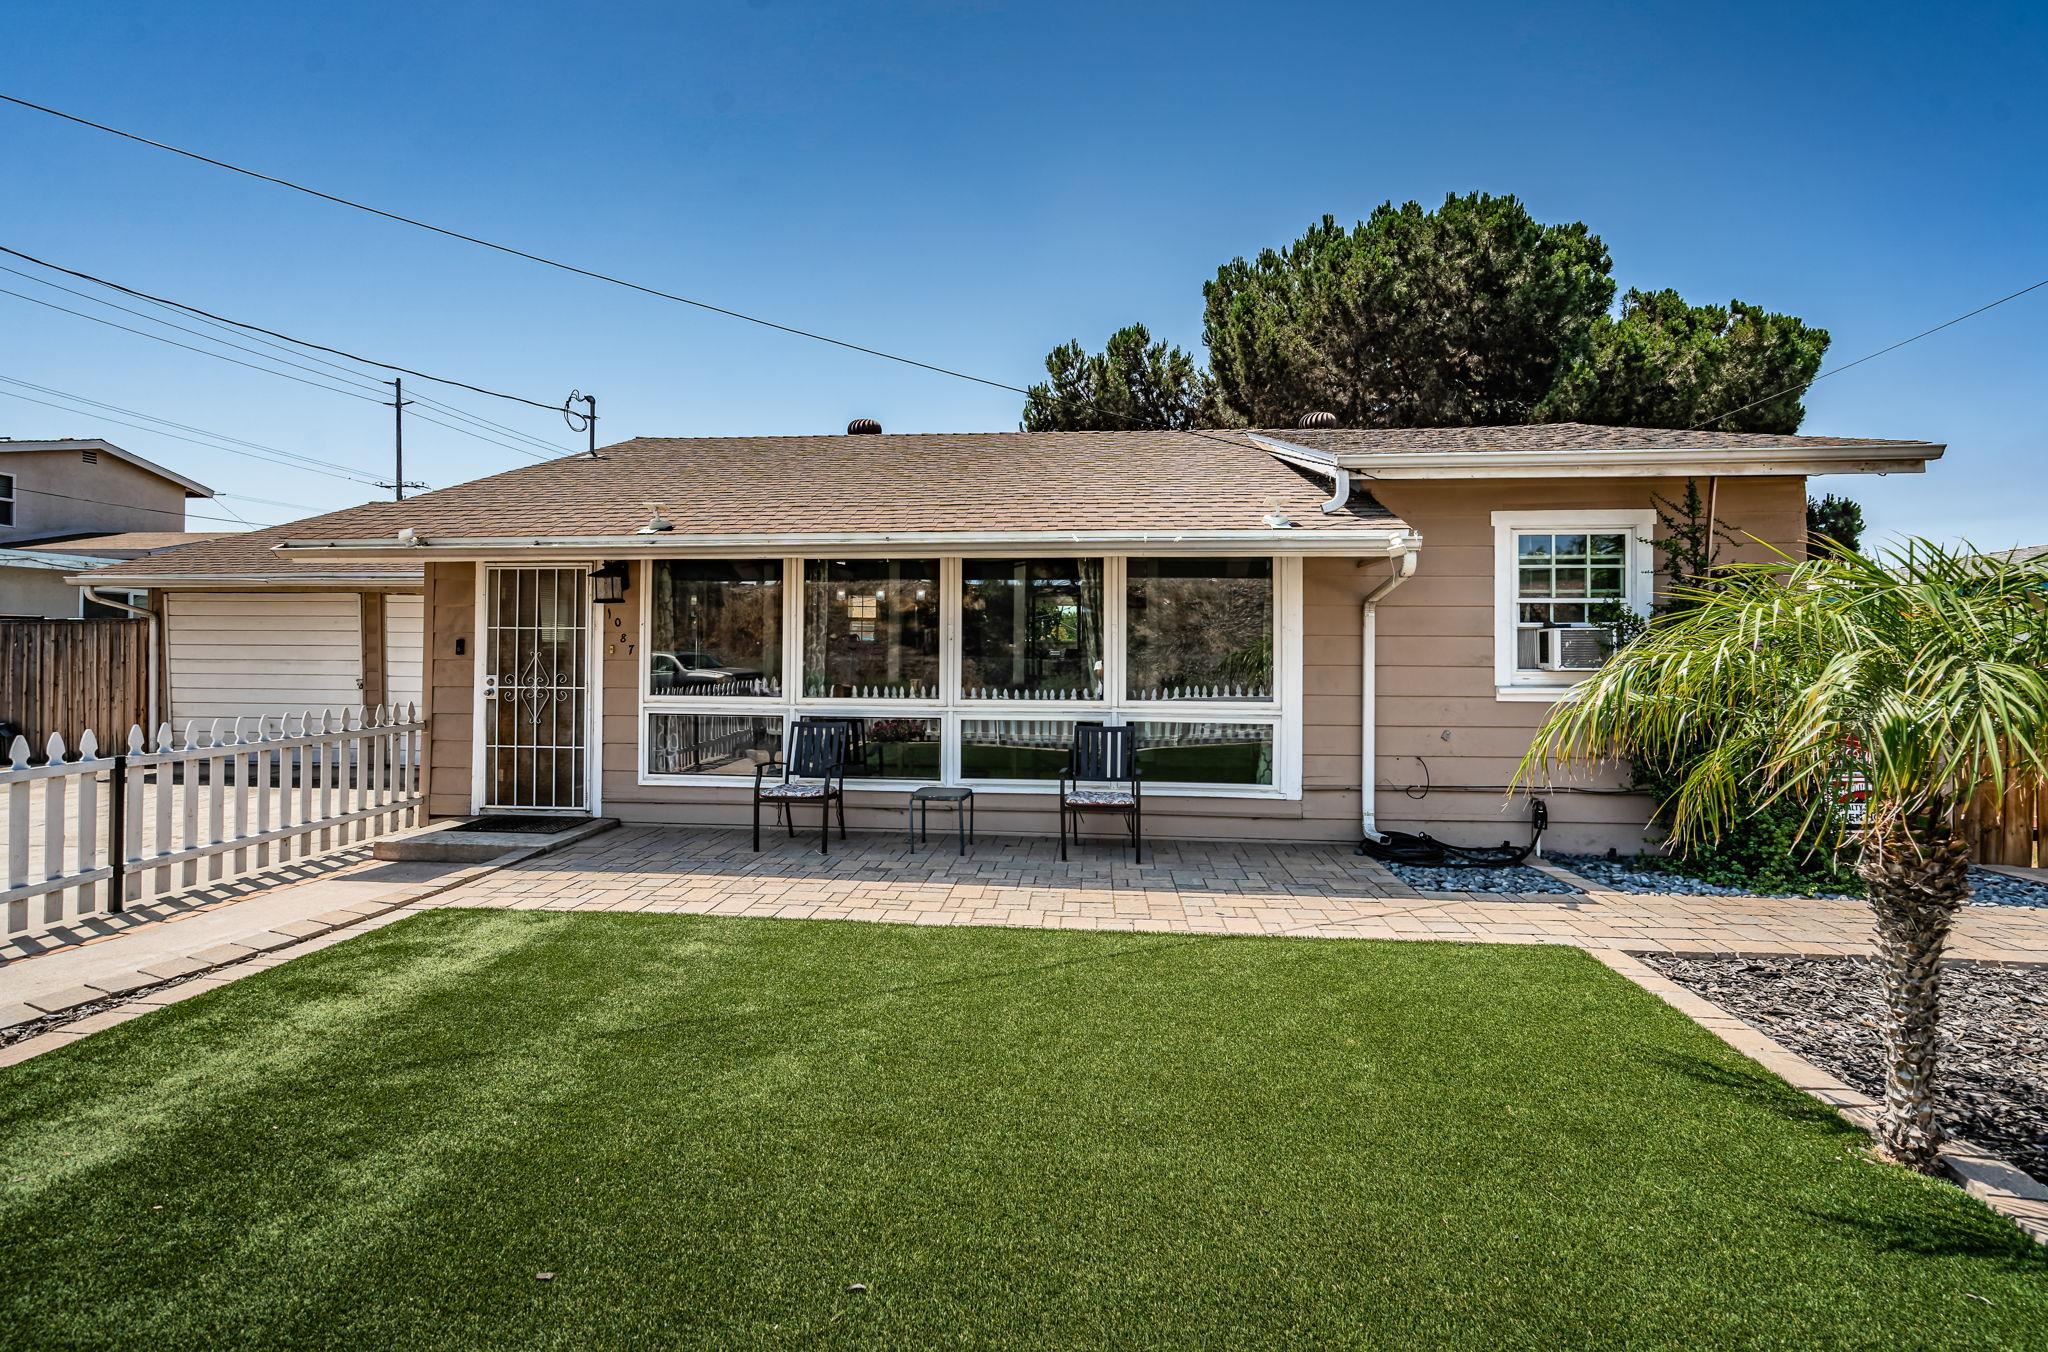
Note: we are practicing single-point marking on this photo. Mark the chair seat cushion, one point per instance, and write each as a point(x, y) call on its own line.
point(794, 789)
point(1100, 798)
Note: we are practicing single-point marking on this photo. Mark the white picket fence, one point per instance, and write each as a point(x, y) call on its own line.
point(232, 797)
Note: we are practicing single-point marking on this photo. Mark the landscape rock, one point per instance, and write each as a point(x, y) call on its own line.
point(1993, 1079)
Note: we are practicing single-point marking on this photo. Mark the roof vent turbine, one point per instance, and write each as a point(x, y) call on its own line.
point(863, 427)
point(1316, 420)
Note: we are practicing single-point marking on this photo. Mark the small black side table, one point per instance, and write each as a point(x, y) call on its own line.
point(962, 801)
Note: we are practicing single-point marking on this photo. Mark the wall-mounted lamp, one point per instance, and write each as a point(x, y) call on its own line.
point(608, 584)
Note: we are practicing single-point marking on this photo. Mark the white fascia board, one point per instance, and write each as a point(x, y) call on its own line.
point(52, 563)
point(1373, 542)
point(1635, 463)
point(312, 577)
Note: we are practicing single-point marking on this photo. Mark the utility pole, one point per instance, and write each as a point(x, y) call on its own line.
point(398, 485)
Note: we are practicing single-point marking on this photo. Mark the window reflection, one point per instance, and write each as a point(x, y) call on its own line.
point(1199, 629)
point(1014, 748)
point(871, 628)
point(711, 744)
point(1205, 753)
point(1031, 629)
point(716, 628)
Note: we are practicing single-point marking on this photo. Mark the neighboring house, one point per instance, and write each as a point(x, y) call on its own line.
point(1313, 632)
point(244, 632)
point(69, 505)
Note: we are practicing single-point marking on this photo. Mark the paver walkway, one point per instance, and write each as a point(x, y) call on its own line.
point(1194, 887)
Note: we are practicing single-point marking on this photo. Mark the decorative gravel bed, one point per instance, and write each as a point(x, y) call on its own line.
point(1997, 889)
point(1519, 878)
point(1993, 1088)
point(1625, 875)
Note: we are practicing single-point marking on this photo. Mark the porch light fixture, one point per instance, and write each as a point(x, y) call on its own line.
point(608, 584)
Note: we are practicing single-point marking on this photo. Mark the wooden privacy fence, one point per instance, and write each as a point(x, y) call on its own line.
point(93, 834)
point(65, 677)
point(2007, 832)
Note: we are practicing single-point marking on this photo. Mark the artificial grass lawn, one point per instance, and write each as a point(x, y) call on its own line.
point(707, 1129)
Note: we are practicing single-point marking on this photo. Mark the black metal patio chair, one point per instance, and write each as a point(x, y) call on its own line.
point(1102, 776)
point(815, 771)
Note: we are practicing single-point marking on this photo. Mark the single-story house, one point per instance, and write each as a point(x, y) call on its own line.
point(1314, 631)
point(240, 631)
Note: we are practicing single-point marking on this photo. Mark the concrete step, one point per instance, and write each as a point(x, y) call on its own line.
point(441, 843)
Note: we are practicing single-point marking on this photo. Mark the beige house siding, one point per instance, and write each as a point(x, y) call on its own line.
point(57, 491)
point(450, 686)
point(1435, 677)
point(1447, 747)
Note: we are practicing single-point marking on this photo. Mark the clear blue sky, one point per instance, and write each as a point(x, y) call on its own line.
point(973, 183)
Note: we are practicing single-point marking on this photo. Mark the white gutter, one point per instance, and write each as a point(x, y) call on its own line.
point(1861, 458)
point(1368, 713)
point(155, 639)
point(1390, 539)
point(298, 581)
point(1338, 475)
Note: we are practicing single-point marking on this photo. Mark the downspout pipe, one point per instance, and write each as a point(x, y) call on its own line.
point(155, 639)
point(1404, 565)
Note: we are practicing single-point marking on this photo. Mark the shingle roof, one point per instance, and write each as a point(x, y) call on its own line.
point(118, 544)
point(928, 483)
point(947, 483)
point(248, 556)
point(1554, 437)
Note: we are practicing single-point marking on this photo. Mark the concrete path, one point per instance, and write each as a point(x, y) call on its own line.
point(205, 933)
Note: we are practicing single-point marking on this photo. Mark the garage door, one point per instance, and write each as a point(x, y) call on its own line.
point(239, 654)
point(402, 649)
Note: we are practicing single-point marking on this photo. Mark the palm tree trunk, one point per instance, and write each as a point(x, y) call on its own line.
point(1915, 890)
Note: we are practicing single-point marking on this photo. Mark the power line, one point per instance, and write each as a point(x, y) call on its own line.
point(1835, 371)
point(231, 327)
point(421, 417)
point(591, 273)
point(364, 382)
point(161, 511)
point(235, 325)
point(258, 328)
point(217, 356)
point(294, 460)
point(269, 502)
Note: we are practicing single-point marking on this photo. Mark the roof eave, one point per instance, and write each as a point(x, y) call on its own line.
point(1869, 458)
point(1390, 537)
point(243, 581)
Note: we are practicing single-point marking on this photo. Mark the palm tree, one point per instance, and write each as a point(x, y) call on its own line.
point(1921, 676)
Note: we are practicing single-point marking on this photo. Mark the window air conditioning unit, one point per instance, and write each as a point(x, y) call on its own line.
point(1571, 649)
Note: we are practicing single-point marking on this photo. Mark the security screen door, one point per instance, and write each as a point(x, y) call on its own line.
point(536, 689)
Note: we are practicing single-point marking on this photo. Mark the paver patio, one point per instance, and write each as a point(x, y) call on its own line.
point(1193, 887)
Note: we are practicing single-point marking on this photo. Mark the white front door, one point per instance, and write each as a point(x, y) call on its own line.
point(536, 690)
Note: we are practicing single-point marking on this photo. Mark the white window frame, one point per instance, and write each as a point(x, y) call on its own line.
point(1283, 711)
point(1639, 575)
point(7, 498)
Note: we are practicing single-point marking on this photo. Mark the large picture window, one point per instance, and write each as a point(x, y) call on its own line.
point(871, 628)
point(1199, 629)
point(976, 670)
point(715, 629)
point(1031, 629)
